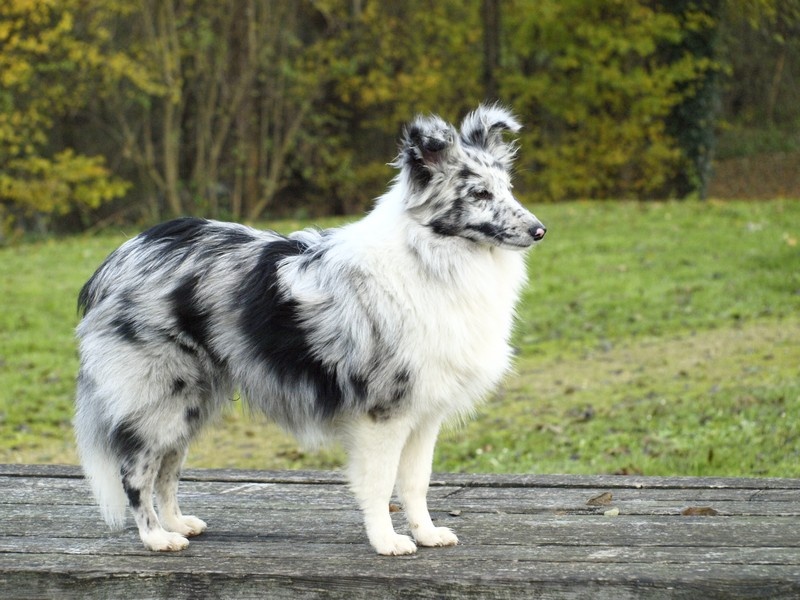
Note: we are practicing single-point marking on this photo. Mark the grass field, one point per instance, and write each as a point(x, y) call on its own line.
point(653, 338)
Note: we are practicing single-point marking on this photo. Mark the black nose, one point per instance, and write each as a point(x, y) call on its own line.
point(537, 232)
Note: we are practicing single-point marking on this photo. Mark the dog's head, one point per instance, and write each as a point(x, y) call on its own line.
point(459, 182)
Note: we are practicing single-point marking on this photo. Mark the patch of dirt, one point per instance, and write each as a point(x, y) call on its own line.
point(758, 177)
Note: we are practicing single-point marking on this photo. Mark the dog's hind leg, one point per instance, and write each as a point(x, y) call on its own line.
point(138, 481)
point(413, 478)
point(141, 461)
point(167, 495)
point(374, 449)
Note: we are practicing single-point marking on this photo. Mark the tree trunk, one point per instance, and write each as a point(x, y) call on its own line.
point(491, 48)
point(775, 85)
point(169, 48)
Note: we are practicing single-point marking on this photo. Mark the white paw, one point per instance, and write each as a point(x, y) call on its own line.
point(394, 545)
point(196, 526)
point(159, 540)
point(436, 536)
point(186, 525)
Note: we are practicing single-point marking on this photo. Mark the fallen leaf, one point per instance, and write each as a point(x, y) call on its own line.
point(603, 499)
point(699, 511)
point(394, 507)
point(611, 512)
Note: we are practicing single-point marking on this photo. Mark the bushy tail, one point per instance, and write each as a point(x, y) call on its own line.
point(100, 464)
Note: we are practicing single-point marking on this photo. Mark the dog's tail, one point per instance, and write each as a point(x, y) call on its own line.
point(100, 464)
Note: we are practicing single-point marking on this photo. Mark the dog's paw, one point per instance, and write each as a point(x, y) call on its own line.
point(195, 526)
point(394, 545)
point(186, 525)
point(159, 540)
point(436, 536)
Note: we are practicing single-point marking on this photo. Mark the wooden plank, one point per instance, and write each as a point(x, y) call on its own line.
point(473, 528)
point(446, 499)
point(429, 574)
point(457, 479)
point(299, 535)
point(265, 547)
point(664, 501)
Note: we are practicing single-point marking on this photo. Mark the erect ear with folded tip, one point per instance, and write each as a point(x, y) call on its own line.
point(425, 147)
point(483, 128)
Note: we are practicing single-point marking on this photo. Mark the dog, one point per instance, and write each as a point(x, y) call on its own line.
point(372, 334)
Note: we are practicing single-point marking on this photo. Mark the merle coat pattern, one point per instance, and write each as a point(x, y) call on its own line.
point(373, 333)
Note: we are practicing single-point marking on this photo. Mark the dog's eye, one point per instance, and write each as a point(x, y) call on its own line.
point(482, 195)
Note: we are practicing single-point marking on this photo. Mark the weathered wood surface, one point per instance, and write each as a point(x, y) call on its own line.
point(299, 535)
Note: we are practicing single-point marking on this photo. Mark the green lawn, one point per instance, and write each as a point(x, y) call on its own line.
point(653, 338)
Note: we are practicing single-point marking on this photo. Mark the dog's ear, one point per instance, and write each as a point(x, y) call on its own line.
point(483, 128)
point(425, 147)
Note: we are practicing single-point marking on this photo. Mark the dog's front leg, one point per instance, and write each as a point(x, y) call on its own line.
point(413, 478)
point(374, 449)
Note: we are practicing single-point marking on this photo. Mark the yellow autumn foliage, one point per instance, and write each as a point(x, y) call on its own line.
point(45, 67)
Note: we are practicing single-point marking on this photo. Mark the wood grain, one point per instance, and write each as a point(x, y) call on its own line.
point(299, 535)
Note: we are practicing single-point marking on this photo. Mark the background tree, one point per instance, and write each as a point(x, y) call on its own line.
point(239, 109)
point(761, 45)
point(46, 69)
point(592, 80)
point(233, 84)
point(491, 47)
point(692, 121)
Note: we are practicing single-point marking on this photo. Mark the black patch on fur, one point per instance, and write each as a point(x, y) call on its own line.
point(397, 391)
point(224, 240)
point(234, 237)
point(490, 230)
point(191, 318)
point(380, 413)
point(400, 385)
point(360, 386)
point(126, 442)
point(130, 448)
point(419, 152)
point(466, 173)
point(134, 494)
point(89, 296)
point(477, 137)
point(443, 226)
point(449, 224)
point(192, 414)
point(174, 236)
point(177, 234)
point(126, 329)
point(271, 324)
point(178, 386)
point(420, 175)
point(433, 145)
